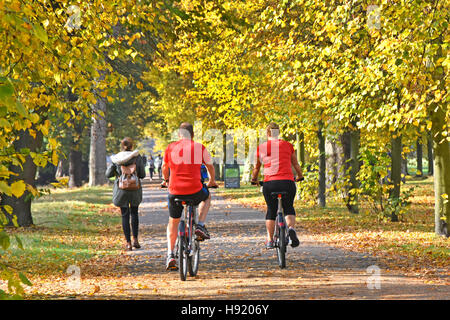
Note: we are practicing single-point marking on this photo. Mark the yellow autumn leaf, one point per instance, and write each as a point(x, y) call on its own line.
point(18, 188)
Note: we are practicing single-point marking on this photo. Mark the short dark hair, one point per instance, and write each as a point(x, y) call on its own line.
point(186, 130)
point(273, 129)
point(126, 144)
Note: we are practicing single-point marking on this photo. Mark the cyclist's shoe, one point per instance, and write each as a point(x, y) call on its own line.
point(171, 262)
point(294, 239)
point(270, 244)
point(201, 233)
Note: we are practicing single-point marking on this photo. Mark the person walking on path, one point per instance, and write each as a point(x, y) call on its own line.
point(158, 165)
point(278, 157)
point(151, 167)
point(128, 168)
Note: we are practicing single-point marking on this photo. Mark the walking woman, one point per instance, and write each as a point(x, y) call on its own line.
point(151, 163)
point(128, 168)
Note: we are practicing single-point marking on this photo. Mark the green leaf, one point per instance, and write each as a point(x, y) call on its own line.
point(19, 242)
point(4, 240)
point(40, 33)
point(6, 91)
point(21, 109)
point(24, 279)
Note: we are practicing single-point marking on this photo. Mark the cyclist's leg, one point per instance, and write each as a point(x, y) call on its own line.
point(203, 209)
point(172, 233)
point(204, 203)
point(272, 208)
point(288, 202)
point(175, 211)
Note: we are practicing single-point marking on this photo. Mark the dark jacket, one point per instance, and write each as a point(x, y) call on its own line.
point(123, 198)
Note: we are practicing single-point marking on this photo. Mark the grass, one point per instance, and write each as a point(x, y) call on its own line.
point(413, 237)
point(71, 227)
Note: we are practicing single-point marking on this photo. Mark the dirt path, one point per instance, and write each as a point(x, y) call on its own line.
point(235, 264)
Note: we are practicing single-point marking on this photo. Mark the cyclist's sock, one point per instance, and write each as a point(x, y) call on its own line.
point(201, 224)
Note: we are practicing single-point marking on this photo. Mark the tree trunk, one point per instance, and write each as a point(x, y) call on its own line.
point(396, 169)
point(430, 155)
point(300, 147)
point(75, 168)
point(63, 168)
point(419, 156)
point(354, 163)
point(322, 166)
point(97, 155)
point(441, 149)
point(22, 206)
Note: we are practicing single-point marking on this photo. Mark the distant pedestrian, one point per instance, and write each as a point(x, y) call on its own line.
point(158, 164)
point(151, 167)
point(128, 168)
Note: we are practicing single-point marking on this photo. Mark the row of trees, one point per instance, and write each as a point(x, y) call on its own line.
point(358, 79)
point(366, 79)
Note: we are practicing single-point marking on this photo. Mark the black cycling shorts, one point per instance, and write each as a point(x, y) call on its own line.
point(287, 201)
point(175, 210)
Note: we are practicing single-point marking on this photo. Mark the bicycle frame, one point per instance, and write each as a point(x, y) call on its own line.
point(280, 221)
point(189, 216)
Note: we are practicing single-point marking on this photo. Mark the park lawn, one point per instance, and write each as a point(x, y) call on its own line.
point(409, 244)
point(72, 227)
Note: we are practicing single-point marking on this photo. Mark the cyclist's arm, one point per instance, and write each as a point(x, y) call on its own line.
point(212, 174)
point(296, 165)
point(165, 171)
point(256, 170)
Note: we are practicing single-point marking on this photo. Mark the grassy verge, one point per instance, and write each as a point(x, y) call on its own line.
point(72, 227)
point(410, 244)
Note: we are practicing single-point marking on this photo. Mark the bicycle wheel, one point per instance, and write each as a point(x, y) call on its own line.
point(182, 249)
point(194, 259)
point(281, 246)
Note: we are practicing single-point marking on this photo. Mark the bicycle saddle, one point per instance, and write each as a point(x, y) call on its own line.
point(275, 194)
point(186, 201)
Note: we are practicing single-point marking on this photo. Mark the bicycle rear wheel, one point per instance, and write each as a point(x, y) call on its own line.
point(281, 247)
point(183, 256)
point(194, 259)
point(182, 252)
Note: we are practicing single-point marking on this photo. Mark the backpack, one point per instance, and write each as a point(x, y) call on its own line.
point(129, 180)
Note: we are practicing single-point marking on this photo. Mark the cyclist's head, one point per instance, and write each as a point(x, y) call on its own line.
point(273, 130)
point(126, 144)
point(186, 130)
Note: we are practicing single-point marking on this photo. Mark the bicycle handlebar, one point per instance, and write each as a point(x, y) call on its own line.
point(213, 187)
point(262, 182)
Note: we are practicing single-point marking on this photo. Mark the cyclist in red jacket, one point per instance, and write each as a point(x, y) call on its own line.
point(278, 157)
point(182, 172)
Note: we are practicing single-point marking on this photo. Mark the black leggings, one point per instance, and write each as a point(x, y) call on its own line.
point(151, 170)
point(126, 213)
point(287, 201)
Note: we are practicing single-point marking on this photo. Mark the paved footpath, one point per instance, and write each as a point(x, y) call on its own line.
point(235, 265)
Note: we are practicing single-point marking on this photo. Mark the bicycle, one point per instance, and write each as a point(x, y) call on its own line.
point(187, 244)
point(280, 235)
